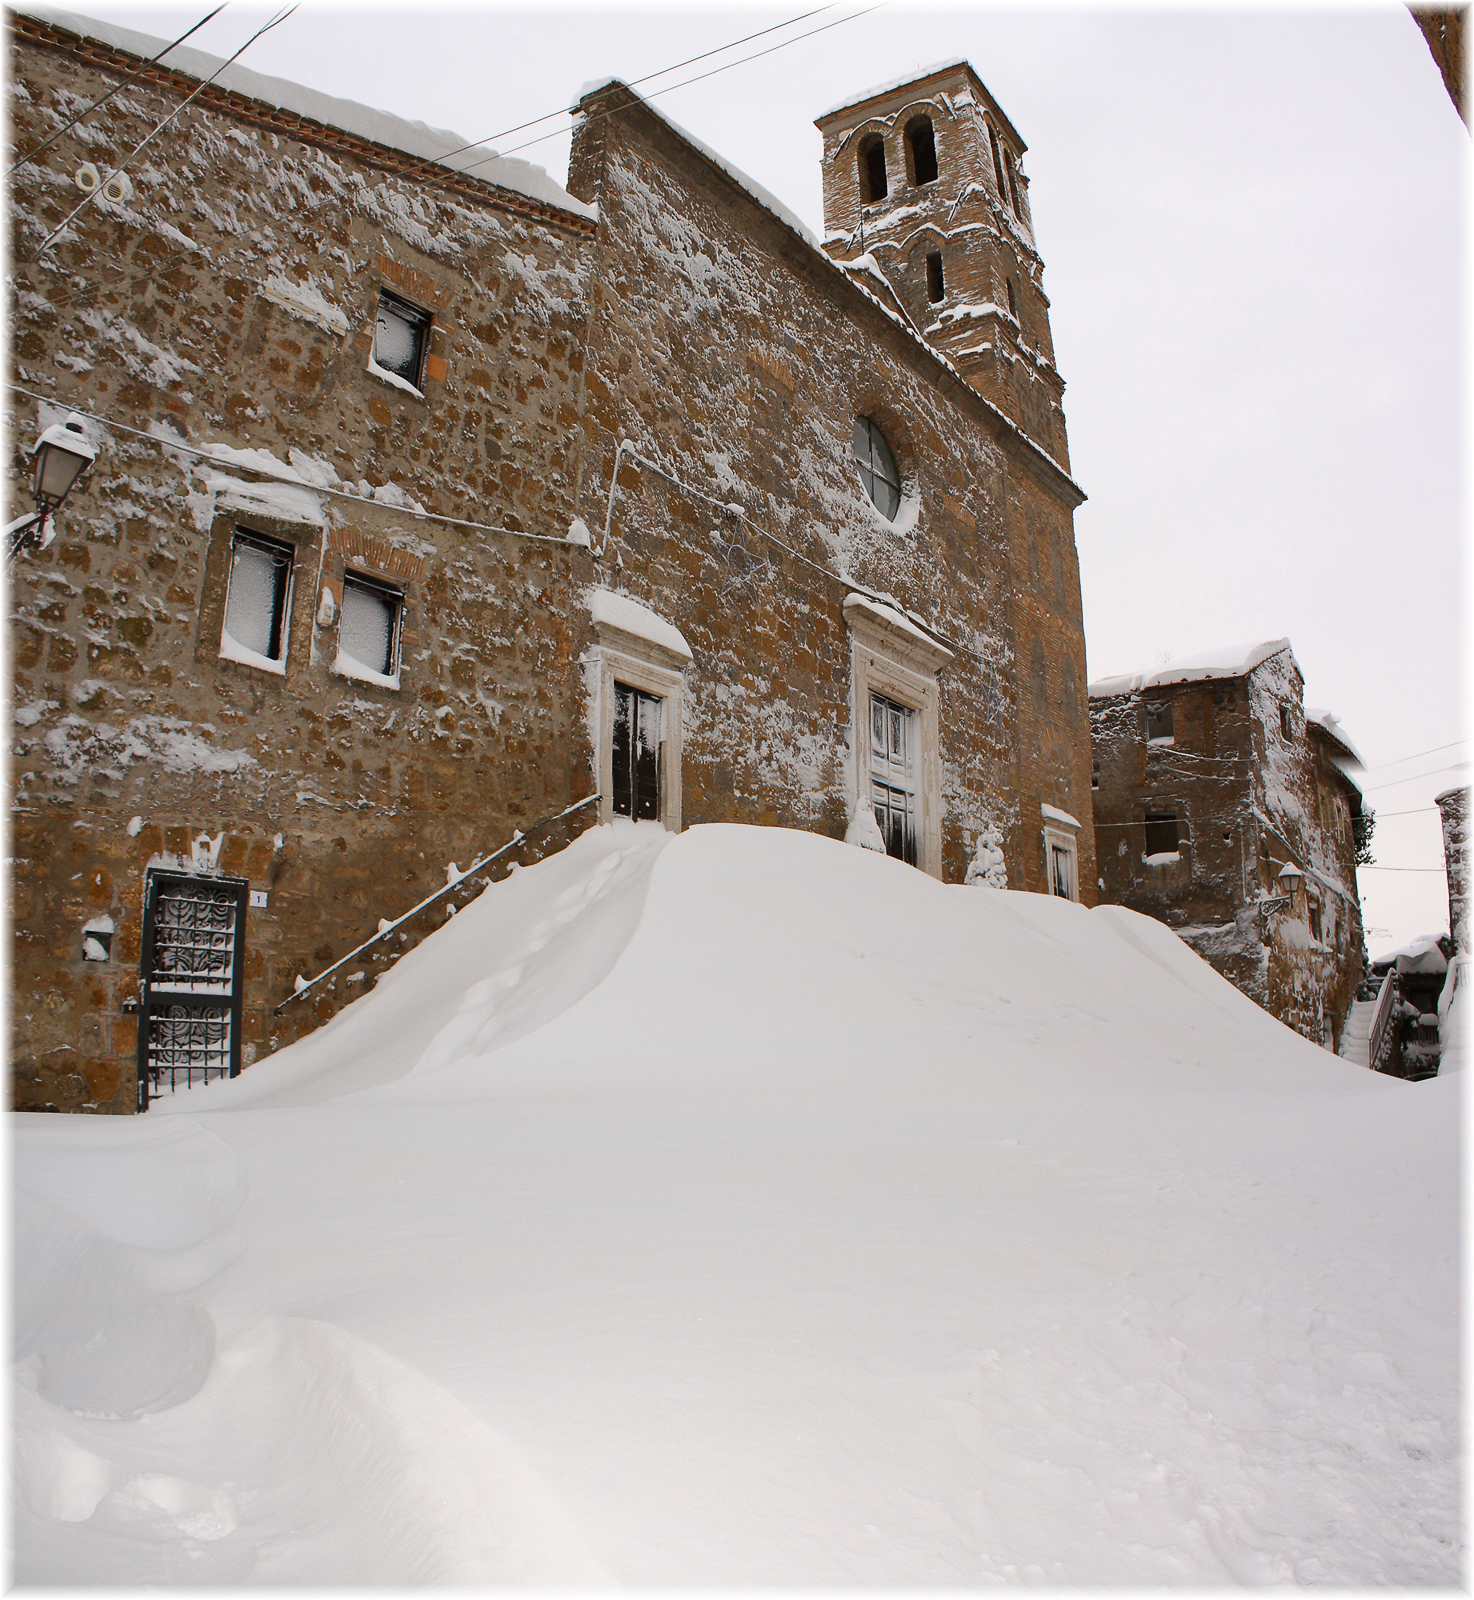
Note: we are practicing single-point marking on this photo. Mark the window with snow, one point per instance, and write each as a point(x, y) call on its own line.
point(921, 150)
point(893, 776)
point(1161, 833)
point(1287, 722)
point(878, 470)
point(1012, 299)
point(400, 336)
point(936, 283)
point(873, 184)
point(258, 599)
point(638, 732)
point(997, 162)
point(1158, 722)
point(368, 632)
point(1062, 870)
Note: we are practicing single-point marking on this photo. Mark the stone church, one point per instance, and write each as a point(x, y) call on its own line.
point(431, 499)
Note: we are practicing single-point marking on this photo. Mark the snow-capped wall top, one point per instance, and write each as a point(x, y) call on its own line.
point(763, 196)
point(629, 616)
point(894, 83)
point(1054, 814)
point(1235, 661)
point(1330, 725)
point(438, 145)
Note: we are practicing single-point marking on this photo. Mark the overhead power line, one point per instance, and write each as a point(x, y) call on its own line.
point(1456, 766)
point(701, 77)
point(154, 132)
point(563, 111)
point(117, 88)
point(1382, 766)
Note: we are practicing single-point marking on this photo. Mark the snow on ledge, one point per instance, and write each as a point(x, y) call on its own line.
point(1235, 661)
point(347, 666)
point(231, 649)
point(917, 75)
point(393, 378)
point(1054, 814)
point(888, 616)
point(624, 612)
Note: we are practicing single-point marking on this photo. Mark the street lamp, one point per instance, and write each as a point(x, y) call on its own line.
point(62, 455)
point(1289, 878)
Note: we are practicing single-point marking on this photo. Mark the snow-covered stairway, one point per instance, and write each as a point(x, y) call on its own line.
point(1354, 1035)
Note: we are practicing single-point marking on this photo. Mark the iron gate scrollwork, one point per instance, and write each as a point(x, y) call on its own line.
point(189, 1024)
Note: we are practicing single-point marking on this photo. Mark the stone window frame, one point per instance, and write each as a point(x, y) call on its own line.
point(1057, 834)
point(306, 541)
point(336, 566)
point(901, 664)
point(618, 656)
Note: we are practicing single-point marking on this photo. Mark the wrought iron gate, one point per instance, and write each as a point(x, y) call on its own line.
point(189, 1023)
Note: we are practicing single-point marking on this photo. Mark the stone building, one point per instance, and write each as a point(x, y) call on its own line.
point(1226, 809)
point(432, 498)
point(1453, 812)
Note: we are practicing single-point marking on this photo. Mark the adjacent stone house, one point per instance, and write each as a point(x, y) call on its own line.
point(432, 498)
point(1226, 809)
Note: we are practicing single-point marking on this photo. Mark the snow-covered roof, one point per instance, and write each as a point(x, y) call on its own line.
point(437, 145)
point(1330, 725)
point(914, 76)
point(764, 197)
point(624, 612)
point(920, 75)
point(1234, 661)
point(1448, 794)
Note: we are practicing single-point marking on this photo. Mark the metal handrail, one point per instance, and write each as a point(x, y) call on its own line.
point(1377, 1034)
point(386, 928)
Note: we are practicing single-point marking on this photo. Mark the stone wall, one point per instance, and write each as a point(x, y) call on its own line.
point(733, 354)
point(1249, 799)
point(228, 308)
point(1453, 807)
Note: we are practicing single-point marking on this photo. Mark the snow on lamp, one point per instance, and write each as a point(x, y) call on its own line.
point(62, 454)
point(1290, 880)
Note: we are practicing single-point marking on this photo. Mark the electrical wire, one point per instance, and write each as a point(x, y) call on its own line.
point(81, 116)
point(1372, 867)
point(700, 77)
point(1383, 765)
point(338, 494)
point(1456, 766)
point(149, 137)
point(564, 111)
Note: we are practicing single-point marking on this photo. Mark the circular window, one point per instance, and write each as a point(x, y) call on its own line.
point(878, 470)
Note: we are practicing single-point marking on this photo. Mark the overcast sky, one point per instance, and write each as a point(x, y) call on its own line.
point(1251, 228)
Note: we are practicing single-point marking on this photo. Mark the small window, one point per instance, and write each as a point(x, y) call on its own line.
point(1012, 183)
point(1012, 299)
point(921, 144)
point(936, 283)
point(878, 470)
point(1315, 921)
point(998, 162)
point(368, 634)
point(257, 602)
point(873, 185)
point(1287, 722)
point(1158, 722)
point(638, 732)
point(1095, 775)
point(1161, 833)
point(399, 338)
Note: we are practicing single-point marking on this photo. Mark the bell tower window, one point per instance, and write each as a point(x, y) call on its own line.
point(873, 185)
point(921, 148)
point(936, 286)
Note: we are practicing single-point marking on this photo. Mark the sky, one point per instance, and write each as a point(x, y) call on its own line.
point(1252, 227)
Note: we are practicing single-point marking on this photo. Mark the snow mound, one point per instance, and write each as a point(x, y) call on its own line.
point(744, 1208)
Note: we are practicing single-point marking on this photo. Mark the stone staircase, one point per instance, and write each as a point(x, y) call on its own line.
point(1354, 1034)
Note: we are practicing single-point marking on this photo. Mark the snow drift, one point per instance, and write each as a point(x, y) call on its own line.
point(742, 1207)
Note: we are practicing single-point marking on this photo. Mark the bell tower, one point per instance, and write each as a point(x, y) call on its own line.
point(924, 189)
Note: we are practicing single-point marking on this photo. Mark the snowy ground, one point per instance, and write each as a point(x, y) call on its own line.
point(747, 1208)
